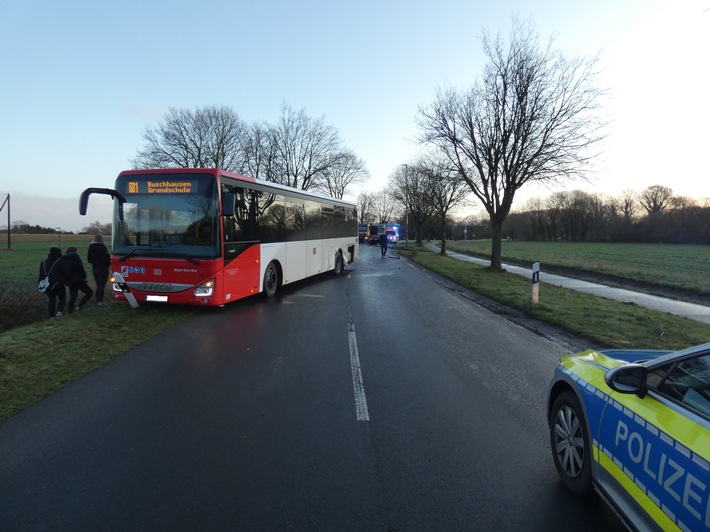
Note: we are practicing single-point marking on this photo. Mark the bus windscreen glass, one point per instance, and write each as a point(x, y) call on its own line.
point(167, 215)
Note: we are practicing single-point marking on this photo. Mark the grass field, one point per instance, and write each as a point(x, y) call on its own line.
point(20, 264)
point(19, 268)
point(679, 266)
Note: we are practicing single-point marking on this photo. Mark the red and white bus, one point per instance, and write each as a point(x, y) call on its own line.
point(207, 237)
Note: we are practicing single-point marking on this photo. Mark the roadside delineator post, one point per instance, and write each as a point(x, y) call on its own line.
point(536, 284)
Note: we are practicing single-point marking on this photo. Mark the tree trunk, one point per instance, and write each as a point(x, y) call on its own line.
point(418, 229)
point(496, 245)
point(443, 239)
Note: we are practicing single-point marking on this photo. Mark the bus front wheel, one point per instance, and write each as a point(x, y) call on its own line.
point(271, 279)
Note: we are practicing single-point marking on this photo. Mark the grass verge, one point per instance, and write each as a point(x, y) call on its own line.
point(604, 322)
point(37, 359)
point(677, 266)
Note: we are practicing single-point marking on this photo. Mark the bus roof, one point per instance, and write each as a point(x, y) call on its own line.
point(216, 172)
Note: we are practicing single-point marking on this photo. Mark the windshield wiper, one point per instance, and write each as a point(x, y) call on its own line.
point(125, 257)
point(177, 254)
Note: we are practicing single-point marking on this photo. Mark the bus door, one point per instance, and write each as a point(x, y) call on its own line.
point(328, 241)
point(296, 252)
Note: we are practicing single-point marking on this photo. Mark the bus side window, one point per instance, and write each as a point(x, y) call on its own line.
point(313, 221)
point(295, 221)
point(328, 220)
point(339, 221)
point(238, 227)
point(230, 229)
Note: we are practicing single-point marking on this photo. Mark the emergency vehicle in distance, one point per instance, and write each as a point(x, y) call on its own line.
point(392, 232)
point(635, 426)
point(363, 232)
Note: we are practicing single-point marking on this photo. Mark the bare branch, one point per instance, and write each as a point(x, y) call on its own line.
point(306, 147)
point(209, 137)
point(531, 117)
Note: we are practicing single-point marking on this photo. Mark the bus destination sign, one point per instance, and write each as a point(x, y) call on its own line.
point(161, 187)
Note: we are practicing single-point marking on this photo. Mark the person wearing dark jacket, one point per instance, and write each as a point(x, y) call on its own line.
point(383, 244)
point(55, 267)
point(76, 279)
point(100, 260)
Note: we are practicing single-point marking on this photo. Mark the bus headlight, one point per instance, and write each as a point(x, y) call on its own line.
point(206, 289)
point(114, 284)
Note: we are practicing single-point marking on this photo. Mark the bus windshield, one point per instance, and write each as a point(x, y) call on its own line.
point(169, 216)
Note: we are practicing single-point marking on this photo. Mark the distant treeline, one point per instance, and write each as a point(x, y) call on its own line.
point(655, 216)
point(22, 227)
point(583, 217)
point(27, 229)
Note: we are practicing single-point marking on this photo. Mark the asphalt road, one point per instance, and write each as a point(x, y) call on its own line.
point(378, 400)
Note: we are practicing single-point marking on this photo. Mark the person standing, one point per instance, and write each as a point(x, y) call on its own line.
point(76, 279)
point(383, 244)
point(100, 260)
point(54, 267)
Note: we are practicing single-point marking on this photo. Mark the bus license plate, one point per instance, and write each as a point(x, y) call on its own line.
point(157, 299)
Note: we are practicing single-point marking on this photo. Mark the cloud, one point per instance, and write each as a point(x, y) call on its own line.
point(149, 113)
point(56, 212)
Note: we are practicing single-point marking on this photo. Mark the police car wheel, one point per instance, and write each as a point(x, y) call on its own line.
point(570, 444)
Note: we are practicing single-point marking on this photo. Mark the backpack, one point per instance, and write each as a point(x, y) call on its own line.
point(43, 285)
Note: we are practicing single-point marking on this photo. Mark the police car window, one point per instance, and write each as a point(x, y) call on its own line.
point(686, 382)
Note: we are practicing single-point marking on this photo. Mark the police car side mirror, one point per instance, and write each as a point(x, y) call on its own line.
point(630, 378)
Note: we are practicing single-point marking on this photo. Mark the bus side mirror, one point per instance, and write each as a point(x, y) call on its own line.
point(84, 198)
point(84, 201)
point(229, 200)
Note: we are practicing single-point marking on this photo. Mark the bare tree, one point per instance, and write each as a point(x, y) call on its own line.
point(683, 204)
point(97, 228)
point(307, 148)
point(383, 205)
point(347, 169)
point(446, 190)
point(530, 118)
point(655, 199)
point(260, 153)
point(628, 205)
point(410, 186)
point(297, 151)
point(209, 137)
point(575, 214)
point(535, 210)
point(555, 206)
point(601, 215)
point(365, 208)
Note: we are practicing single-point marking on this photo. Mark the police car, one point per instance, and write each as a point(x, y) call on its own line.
point(635, 426)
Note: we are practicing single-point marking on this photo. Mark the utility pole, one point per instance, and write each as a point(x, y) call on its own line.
point(9, 231)
point(406, 210)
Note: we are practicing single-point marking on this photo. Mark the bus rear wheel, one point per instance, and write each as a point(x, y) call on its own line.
point(338, 267)
point(271, 279)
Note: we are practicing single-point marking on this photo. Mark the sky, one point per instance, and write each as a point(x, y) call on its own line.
point(82, 80)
